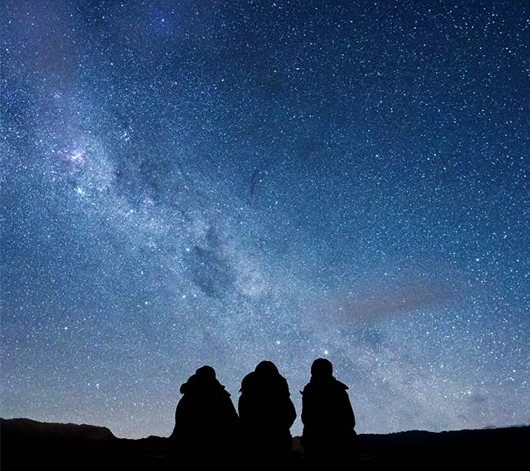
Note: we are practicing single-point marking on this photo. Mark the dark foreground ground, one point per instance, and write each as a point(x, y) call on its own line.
point(26, 441)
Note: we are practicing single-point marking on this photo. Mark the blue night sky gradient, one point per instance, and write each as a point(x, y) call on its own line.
point(221, 182)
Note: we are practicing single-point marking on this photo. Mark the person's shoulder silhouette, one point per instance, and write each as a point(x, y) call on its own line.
point(266, 414)
point(328, 416)
point(205, 418)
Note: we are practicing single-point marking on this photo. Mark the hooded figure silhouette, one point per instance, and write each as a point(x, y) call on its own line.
point(328, 417)
point(266, 414)
point(205, 420)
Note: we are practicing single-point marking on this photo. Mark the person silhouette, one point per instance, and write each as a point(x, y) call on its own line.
point(328, 418)
point(205, 420)
point(266, 415)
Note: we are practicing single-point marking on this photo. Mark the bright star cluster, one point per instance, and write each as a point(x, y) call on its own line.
point(203, 182)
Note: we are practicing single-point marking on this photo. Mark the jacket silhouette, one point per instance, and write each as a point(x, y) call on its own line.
point(205, 420)
point(328, 417)
point(266, 414)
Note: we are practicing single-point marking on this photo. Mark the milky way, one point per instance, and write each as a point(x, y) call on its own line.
point(205, 182)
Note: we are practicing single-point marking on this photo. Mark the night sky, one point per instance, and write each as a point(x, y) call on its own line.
point(190, 182)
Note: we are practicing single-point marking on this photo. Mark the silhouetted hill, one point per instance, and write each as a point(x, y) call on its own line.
point(24, 440)
point(26, 428)
point(502, 445)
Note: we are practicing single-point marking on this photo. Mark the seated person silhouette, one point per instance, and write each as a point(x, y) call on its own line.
point(266, 415)
point(205, 420)
point(328, 417)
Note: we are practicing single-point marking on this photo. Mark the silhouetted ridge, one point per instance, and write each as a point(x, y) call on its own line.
point(24, 441)
point(495, 445)
point(53, 431)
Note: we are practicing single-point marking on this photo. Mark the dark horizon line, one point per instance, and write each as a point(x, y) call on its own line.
point(487, 427)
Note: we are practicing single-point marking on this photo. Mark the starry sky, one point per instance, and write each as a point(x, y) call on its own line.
point(220, 182)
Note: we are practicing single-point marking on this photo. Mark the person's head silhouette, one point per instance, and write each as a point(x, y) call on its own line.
point(321, 368)
point(206, 372)
point(267, 368)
